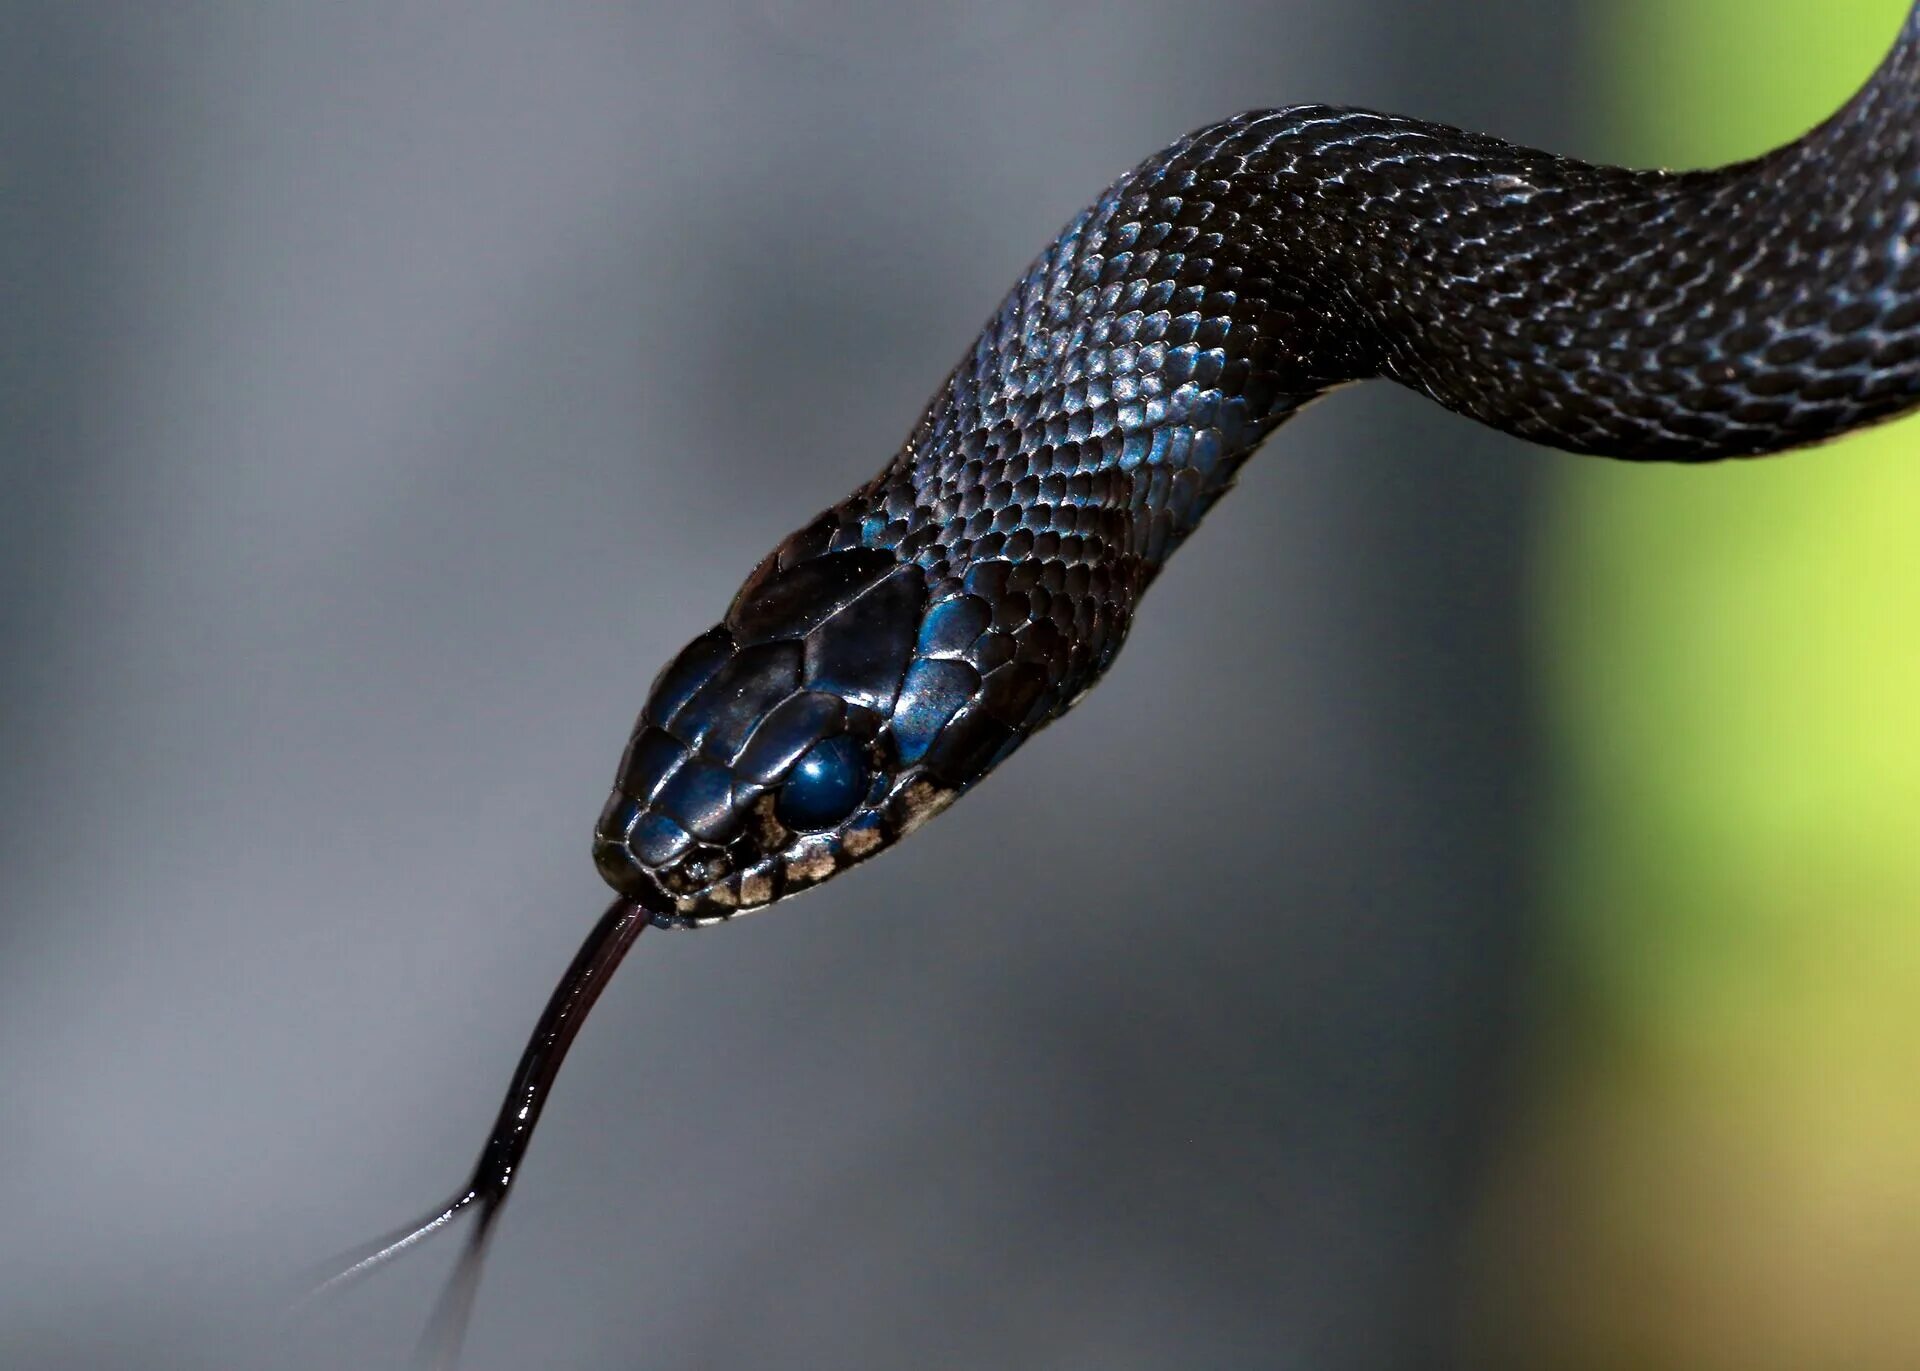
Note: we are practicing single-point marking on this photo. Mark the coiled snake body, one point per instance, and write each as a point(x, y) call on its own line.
point(888, 655)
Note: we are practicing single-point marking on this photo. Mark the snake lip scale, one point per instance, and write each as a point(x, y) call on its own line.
point(887, 656)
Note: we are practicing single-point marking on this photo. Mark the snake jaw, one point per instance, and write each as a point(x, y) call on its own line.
point(689, 897)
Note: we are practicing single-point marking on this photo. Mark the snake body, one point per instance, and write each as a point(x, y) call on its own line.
point(888, 655)
point(892, 652)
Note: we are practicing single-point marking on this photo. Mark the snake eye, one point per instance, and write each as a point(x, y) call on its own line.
point(824, 787)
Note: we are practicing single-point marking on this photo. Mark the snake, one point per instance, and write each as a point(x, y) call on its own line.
point(886, 657)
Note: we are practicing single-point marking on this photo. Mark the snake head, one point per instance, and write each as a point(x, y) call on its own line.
point(831, 712)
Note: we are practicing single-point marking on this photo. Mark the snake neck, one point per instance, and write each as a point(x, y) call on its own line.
point(1249, 268)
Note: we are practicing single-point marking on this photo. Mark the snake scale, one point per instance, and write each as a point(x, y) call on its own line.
point(888, 655)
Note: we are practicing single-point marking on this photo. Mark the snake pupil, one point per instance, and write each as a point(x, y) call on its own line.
point(824, 787)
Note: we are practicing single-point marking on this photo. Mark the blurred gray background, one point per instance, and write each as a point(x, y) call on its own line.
point(388, 389)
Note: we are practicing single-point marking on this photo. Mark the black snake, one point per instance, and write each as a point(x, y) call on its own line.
point(887, 656)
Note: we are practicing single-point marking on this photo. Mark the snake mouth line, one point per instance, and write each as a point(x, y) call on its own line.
point(807, 861)
point(644, 890)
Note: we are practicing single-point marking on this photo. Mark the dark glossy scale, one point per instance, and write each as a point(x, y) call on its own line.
point(893, 651)
point(986, 577)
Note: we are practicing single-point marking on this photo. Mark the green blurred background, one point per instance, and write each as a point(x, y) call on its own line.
point(1721, 1164)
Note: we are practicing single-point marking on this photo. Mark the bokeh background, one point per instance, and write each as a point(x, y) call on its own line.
point(1477, 922)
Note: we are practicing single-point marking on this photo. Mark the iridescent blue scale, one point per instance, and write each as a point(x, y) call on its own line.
point(891, 653)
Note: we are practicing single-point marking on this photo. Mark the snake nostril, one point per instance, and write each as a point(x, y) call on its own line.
point(697, 871)
point(657, 840)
